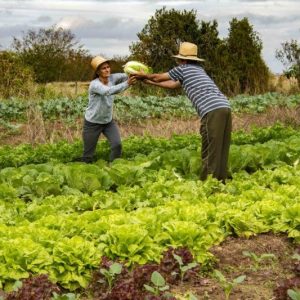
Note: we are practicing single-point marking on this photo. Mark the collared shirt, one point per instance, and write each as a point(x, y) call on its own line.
point(101, 98)
point(199, 87)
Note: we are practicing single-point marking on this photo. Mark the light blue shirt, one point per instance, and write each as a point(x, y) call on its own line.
point(101, 98)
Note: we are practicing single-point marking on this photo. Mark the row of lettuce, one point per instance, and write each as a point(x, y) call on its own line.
point(61, 218)
point(136, 108)
point(134, 146)
point(40, 180)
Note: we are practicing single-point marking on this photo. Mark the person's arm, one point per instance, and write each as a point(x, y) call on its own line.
point(119, 77)
point(158, 77)
point(168, 84)
point(101, 89)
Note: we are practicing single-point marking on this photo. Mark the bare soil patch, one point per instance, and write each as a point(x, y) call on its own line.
point(37, 130)
point(261, 279)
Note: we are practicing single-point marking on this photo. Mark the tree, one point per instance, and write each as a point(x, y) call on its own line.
point(16, 79)
point(77, 67)
point(162, 35)
point(215, 52)
point(48, 52)
point(244, 49)
point(289, 55)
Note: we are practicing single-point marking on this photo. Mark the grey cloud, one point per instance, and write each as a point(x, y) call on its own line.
point(257, 1)
point(11, 31)
point(5, 12)
point(43, 19)
point(110, 28)
point(262, 19)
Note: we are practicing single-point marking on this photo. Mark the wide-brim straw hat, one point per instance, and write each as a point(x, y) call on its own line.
point(97, 61)
point(188, 51)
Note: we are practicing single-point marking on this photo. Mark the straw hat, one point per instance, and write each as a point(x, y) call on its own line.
point(97, 61)
point(188, 51)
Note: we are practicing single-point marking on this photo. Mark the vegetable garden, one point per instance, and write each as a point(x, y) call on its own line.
point(131, 229)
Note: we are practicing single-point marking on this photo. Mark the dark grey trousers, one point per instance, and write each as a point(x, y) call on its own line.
point(91, 133)
point(215, 130)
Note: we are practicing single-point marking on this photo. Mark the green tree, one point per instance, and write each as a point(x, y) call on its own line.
point(215, 52)
point(162, 35)
point(16, 79)
point(48, 52)
point(244, 49)
point(77, 67)
point(289, 55)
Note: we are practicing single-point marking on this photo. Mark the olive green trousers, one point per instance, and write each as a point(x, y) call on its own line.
point(215, 131)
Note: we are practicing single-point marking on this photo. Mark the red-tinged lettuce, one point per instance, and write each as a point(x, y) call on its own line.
point(38, 287)
point(281, 291)
point(99, 285)
point(170, 268)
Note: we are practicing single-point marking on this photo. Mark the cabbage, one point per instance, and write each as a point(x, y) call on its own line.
point(132, 67)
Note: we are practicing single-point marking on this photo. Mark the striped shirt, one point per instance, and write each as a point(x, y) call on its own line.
point(199, 87)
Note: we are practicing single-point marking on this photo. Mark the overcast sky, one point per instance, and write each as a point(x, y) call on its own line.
point(109, 27)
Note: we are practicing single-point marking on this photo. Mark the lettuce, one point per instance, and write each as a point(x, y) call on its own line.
point(132, 67)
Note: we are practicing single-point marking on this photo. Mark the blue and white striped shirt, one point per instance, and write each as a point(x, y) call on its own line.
point(199, 87)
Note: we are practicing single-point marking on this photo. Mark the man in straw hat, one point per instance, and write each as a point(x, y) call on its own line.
point(98, 116)
point(211, 105)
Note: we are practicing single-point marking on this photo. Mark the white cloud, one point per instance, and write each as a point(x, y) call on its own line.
point(109, 27)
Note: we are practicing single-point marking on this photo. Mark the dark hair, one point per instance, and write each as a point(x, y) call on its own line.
point(95, 75)
point(193, 62)
point(190, 61)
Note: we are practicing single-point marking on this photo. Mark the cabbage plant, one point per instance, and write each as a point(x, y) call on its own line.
point(132, 67)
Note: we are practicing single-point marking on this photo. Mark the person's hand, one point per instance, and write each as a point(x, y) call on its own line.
point(147, 81)
point(140, 75)
point(131, 79)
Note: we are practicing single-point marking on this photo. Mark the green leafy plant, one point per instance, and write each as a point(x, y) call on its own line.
point(294, 294)
point(158, 282)
point(191, 296)
point(187, 296)
point(69, 296)
point(183, 268)
point(110, 274)
point(132, 67)
point(228, 286)
point(296, 256)
point(17, 285)
point(258, 258)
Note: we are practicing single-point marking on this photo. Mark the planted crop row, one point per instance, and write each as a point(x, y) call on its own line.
point(135, 146)
point(66, 236)
point(137, 108)
point(62, 218)
point(30, 181)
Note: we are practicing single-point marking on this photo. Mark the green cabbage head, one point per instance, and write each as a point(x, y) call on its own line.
point(132, 67)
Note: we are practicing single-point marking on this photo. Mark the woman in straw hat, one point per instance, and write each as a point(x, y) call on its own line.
point(211, 105)
point(98, 116)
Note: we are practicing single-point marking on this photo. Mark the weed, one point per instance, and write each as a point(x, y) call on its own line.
point(228, 286)
point(294, 294)
point(110, 274)
point(183, 268)
point(159, 284)
point(258, 259)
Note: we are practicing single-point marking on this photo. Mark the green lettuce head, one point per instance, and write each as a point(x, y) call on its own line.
point(132, 67)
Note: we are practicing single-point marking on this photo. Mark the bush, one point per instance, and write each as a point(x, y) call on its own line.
point(16, 80)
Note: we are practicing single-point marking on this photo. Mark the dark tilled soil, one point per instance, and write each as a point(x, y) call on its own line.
point(261, 278)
